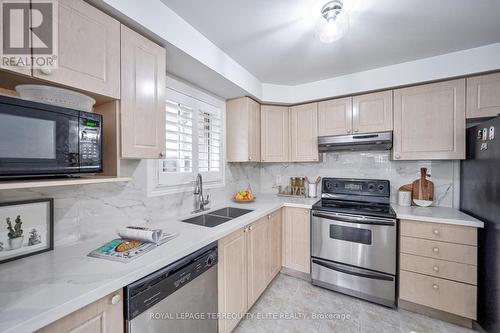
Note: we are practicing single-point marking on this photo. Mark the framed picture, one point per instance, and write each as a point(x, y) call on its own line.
point(26, 228)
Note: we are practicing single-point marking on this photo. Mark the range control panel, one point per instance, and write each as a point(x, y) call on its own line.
point(365, 187)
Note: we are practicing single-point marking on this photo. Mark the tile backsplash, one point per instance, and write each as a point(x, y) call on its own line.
point(369, 165)
point(82, 212)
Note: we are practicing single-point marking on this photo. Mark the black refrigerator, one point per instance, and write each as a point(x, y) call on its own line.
point(480, 197)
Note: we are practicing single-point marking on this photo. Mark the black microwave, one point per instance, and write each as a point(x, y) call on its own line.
point(38, 139)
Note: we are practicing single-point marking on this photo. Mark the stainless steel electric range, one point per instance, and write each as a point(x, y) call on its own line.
point(353, 239)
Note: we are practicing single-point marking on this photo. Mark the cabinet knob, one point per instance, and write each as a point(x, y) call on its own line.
point(249, 158)
point(116, 299)
point(435, 286)
point(250, 228)
point(356, 131)
point(435, 250)
point(397, 157)
point(348, 131)
point(435, 268)
point(161, 155)
point(435, 232)
point(268, 217)
point(46, 71)
point(245, 229)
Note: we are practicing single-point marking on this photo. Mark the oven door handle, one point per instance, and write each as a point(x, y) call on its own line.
point(364, 274)
point(352, 219)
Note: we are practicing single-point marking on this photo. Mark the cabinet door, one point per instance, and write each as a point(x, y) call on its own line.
point(232, 278)
point(257, 259)
point(335, 117)
point(429, 121)
point(253, 130)
point(102, 316)
point(372, 112)
point(296, 239)
point(143, 96)
point(304, 133)
point(483, 96)
point(274, 243)
point(243, 130)
point(275, 133)
point(89, 50)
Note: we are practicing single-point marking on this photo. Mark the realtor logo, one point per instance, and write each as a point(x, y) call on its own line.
point(29, 33)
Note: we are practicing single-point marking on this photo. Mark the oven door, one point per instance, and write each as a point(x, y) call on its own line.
point(37, 141)
point(367, 242)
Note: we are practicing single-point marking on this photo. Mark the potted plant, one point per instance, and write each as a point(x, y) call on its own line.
point(15, 233)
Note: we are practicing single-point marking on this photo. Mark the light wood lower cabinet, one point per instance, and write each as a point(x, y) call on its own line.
point(102, 316)
point(232, 278)
point(439, 274)
point(296, 239)
point(258, 258)
point(143, 76)
point(249, 259)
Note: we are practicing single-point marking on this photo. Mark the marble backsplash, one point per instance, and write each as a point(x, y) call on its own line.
point(82, 212)
point(369, 165)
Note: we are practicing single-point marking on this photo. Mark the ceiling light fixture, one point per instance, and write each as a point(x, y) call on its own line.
point(335, 22)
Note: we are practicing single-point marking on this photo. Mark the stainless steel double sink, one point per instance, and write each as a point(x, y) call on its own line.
point(217, 217)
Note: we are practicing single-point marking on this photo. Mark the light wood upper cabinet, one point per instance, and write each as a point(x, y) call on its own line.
point(143, 76)
point(304, 133)
point(335, 117)
point(372, 112)
point(275, 133)
point(483, 96)
point(274, 243)
point(102, 316)
point(296, 239)
point(232, 278)
point(243, 130)
point(258, 258)
point(89, 50)
point(429, 121)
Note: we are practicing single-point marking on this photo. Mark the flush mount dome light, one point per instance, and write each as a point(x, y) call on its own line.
point(334, 23)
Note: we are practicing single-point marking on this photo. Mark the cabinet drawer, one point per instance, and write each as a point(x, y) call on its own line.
point(438, 231)
point(453, 297)
point(464, 254)
point(439, 268)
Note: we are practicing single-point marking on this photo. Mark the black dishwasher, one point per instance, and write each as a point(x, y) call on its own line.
point(181, 297)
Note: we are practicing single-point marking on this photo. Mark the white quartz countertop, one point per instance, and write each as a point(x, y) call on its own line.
point(41, 289)
point(437, 215)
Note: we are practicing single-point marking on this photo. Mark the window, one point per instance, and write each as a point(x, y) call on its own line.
point(194, 137)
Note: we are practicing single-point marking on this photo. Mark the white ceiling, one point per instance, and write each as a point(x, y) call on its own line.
point(274, 39)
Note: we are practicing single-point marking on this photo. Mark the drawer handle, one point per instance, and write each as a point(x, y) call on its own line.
point(436, 232)
point(435, 268)
point(435, 286)
point(435, 250)
point(115, 299)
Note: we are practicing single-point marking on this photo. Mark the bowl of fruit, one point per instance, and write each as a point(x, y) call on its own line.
point(244, 196)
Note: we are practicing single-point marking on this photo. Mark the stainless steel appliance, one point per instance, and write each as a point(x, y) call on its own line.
point(181, 297)
point(480, 197)
point(368, 141)
point(38, 139)
point(354, 238)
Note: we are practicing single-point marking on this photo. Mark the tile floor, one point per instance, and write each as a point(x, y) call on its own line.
point(288, 295)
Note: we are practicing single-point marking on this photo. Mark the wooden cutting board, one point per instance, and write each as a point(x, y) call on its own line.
point(423, 189)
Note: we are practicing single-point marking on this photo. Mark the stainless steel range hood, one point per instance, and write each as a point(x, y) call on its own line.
point(368, 141)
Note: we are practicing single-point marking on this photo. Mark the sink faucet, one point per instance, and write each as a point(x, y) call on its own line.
point(201, 202)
